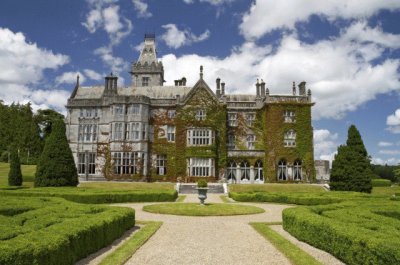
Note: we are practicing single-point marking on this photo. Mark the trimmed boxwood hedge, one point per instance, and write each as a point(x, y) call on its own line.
point(54, 231)
point(300, 198)
point(358, 232)
point(381, 183)
point(91, 195)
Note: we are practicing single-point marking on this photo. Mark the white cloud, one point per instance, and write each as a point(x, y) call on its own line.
point(116, 64)
point(175, 38)
point(325, 144)
point(211, 2)
point(389, 161)
point(385, 144)
point(69, 78)
point(141, 8)
point(265, 16)
point(92, 74)
point(389, 152)
point(22, 65)
point(393, 122)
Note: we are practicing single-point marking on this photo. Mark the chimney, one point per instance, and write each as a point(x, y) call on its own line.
point(218, 90)
point(258, 88)
point(223, 88)
point(110, 86)
point(262, 91)
point(294, 88)
point(302, 88)
point(176, 82)
point(183, 81)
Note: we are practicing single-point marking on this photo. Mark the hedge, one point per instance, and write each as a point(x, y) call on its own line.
point(89, 195)
point(381, 183)
point(54, 231)
point(362, 232)
point(296, 198)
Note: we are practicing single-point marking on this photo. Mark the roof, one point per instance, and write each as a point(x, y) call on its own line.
point(240, 98)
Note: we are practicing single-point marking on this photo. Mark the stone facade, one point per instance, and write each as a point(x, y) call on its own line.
point(149, 131)
point(323, 171)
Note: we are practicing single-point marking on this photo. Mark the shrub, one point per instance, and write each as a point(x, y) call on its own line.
point(55, 231)
point(14, 175)
point(4, 156)
point(202, 183)
point(56, 165)
point(381, 183)
point(362, 232)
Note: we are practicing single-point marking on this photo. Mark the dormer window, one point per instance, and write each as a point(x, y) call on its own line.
point(145, 81)
point(201, 115)
point(289, 116)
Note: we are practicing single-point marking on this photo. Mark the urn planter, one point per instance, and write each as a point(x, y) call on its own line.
point(202, 194)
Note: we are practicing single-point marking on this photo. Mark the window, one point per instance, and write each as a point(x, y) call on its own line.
point(259, 171)
point(201, 167)
point(87, 163)
point(245, 171)
point(118, 133)
point(135, 131)
point(232, 119)
point(145, 81)
point(251, 138)
point(161, 165)
point(290, 139)
point(87, 132)
point(171, 133)
point(171, 114)
point(201, 115)
point(289, 116)
point(231, 141)
point(297, 170)
point(200, 137)
point(250, 117)
point(126, 163)
point(135, 109)
point(89, 112)
point(231, 172)
point(119, 110)
point(282, 170)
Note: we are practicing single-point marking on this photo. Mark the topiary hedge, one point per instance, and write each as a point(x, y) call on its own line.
point(95, 196)
point(54, 231)
point(362, 232)
point(381, 183)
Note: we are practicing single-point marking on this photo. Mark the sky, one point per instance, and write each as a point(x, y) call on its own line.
point(348, 52)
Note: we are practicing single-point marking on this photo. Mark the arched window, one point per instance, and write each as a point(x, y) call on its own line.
point(297, 176)
point(289, 139)
point(245, 171)
point(259, 171)
point(231, 172)
point(282, 170)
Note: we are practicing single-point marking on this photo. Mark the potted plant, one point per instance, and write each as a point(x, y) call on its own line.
point(202, 188)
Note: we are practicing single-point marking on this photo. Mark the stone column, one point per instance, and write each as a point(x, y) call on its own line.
point(252, 174)
point(145, 164)
point(238, 175)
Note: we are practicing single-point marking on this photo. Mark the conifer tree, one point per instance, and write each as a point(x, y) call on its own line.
point(14, 175)
point(56, 165)
point(351, 169)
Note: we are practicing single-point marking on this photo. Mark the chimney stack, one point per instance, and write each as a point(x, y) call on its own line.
point(302, 89)
point(294, 88)
point(223, 88)
point(258, 88)
point(218, 89)
point(110, 86)
point(262, 91)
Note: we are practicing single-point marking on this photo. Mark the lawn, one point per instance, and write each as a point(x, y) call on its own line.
point(127, 185)
point(276, 187)
point(56, 231)
point(195, 209)
point(28, 174)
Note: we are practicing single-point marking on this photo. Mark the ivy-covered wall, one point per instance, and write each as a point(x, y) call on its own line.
point(275, 127)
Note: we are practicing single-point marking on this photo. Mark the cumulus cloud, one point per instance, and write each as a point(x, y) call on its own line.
point(69, 78)
point(22, 65)
point(381, 161)
point(385, 144)
point(389, 152)
point(141, 8)
point(393, 122)
point(265, 16)
point(92, 74)
point(341, 72)
point(211, 2)
point(325, 144)
point(175, 38)
point(116, 64)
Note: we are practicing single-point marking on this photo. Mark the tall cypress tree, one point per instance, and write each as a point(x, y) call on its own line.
point(14, 175)
point(56, 165)
point(351, 169)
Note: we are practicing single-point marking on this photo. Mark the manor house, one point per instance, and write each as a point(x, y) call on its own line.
point(152, 132)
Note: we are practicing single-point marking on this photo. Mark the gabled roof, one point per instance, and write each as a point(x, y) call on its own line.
point(201, 84)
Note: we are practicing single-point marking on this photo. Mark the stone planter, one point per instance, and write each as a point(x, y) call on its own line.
point(202, 194)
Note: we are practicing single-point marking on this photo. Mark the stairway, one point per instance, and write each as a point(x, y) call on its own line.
point(191, 188)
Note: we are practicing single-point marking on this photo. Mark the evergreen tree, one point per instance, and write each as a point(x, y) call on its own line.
point(56, 165)
point(14, 175)
point(351, 169)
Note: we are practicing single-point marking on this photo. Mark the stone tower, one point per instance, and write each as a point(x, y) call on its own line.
point(147, 71)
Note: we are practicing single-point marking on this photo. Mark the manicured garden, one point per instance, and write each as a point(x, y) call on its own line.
point(56, 231)
point(28, 172)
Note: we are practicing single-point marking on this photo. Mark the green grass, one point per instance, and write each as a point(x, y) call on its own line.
point(195, 209)
point(385, 191)
point(127, 249)
point(42, 230)
point(127, 185)
point(276, 187)
point(28, 174)
point(225, 199)
point(296, 255)
point(181, 198)
point(381, 183)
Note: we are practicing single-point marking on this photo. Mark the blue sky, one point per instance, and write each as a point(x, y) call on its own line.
point(348, 51)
